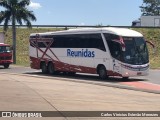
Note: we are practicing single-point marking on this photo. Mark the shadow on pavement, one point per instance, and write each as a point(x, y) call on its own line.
point(1, 67)
point(88, 77)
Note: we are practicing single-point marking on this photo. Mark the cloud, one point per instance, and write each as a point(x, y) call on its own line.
point(35, 5)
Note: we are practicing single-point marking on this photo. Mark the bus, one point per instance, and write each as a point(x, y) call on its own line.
point(104, 51)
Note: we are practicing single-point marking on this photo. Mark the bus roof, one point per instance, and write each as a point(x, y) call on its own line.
point(118, 31)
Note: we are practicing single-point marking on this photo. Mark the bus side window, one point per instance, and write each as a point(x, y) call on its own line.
point(59, 42)
point(114, 47)
point(94, 41)
point(41, 45)
point(79, 41)
point(98, 42)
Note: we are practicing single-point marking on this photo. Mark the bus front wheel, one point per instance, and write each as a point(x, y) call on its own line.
point(102, 72)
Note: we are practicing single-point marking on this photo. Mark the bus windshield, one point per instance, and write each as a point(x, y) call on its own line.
point(136, 51)
point(4, 49)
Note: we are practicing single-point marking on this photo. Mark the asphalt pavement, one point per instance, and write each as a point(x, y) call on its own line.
point(150, 83)
point(30, 93)
point(153, 77)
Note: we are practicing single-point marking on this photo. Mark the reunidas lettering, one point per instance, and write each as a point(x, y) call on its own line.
point(82, 53)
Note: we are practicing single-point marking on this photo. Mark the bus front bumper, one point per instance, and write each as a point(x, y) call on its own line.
point(135, 70)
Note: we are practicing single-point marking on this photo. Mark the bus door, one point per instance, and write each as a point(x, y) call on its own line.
point(116, 53)
point(116, 66)
point(115, 45)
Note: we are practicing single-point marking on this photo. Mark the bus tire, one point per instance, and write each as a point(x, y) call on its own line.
point(51, 69)
point(44, 68)
point(125, 78)
point(102, 72)
point(71, 73)
point(6, 66)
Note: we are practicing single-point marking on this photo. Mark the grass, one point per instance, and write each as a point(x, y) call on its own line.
point(152, 34)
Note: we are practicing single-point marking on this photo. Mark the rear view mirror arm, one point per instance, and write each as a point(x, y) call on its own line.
point(151, 43)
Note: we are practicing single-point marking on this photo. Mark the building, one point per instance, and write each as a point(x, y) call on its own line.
point(147, 21)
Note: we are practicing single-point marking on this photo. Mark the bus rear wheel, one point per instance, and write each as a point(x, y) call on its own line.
point(71, 73)
point(125, 78)
point(44, 68)
point(51, 68)
point(102, 72)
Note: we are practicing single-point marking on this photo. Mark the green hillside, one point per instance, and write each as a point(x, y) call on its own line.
point(152, 34)
point(23, 42)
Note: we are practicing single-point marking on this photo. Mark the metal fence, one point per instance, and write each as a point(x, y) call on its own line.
point(78, 26)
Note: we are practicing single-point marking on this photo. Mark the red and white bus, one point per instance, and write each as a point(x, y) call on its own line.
point(104, 51)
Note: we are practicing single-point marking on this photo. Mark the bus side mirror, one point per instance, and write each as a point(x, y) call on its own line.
point(153, 46)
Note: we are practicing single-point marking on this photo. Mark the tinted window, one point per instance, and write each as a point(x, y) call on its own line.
point(32, 43)
point(78, 41)
point(41, 45)
point(114, 47)
point(111, 37)
point(4, 49)
point(136, 51)
point(39, 41)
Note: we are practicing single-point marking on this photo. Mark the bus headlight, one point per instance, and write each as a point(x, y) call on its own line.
point(127, 73)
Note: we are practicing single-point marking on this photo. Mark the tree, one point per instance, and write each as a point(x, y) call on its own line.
point(150, 7)
point(16, 11)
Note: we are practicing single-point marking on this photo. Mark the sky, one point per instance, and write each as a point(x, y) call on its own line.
point(86, 12)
